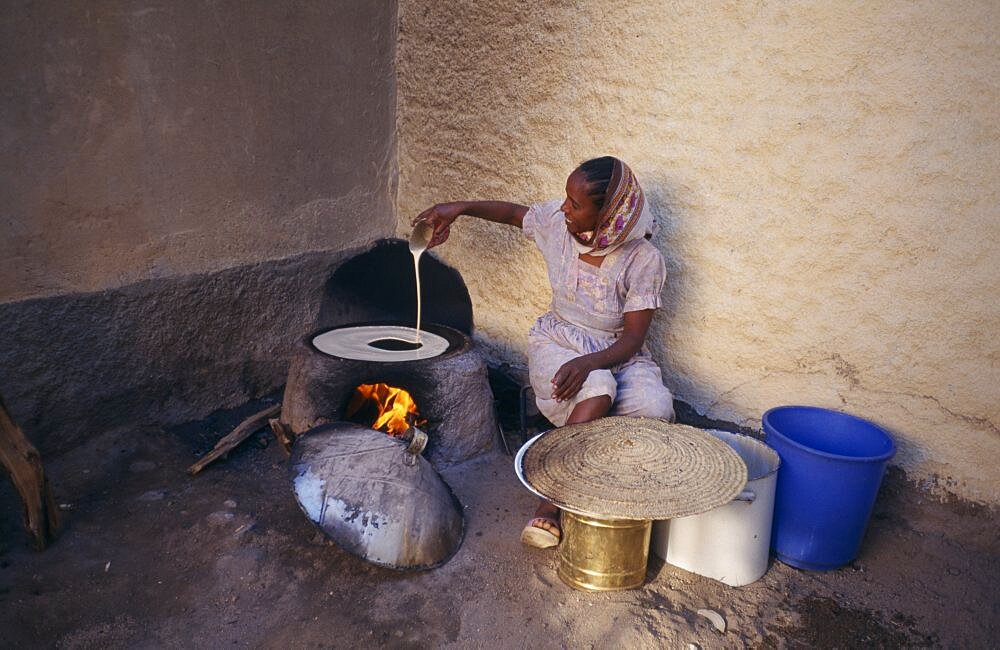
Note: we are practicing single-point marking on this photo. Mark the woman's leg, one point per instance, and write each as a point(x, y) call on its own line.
point(547, 515)
point(641, 392)
point(544, 360)
point(590, 409)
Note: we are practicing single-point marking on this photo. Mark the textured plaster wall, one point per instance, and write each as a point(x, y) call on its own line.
point(151, 139)
point(178, 180)
point(825, 174)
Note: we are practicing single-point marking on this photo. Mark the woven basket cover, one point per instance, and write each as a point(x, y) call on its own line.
point(634, 468)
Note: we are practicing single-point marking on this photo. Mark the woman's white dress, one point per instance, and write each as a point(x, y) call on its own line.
point(587, 315)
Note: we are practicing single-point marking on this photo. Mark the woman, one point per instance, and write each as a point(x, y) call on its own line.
point(587, 355)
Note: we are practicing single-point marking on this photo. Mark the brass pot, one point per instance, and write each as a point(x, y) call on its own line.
point(603, 554)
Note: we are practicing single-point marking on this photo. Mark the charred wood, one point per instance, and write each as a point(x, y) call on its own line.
point(245, 429)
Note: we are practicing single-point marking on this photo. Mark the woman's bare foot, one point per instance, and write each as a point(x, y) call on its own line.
point(543, 530)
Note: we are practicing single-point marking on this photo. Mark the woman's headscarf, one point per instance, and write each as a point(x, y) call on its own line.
point(624, 216)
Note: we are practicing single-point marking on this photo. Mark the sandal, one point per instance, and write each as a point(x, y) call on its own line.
point(539, 537)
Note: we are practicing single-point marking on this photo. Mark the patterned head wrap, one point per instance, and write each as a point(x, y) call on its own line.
point(624, 216)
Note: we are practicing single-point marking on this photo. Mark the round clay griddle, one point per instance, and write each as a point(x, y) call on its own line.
point(362, 342)
point(633, 468)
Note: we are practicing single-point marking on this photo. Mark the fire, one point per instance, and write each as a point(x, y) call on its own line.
point(384, 407)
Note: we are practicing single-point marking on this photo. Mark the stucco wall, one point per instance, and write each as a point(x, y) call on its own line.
point(151, 139)
point(825, 175)
point(179, 180)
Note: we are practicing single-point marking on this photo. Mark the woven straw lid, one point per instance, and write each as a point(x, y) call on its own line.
point(633, 468)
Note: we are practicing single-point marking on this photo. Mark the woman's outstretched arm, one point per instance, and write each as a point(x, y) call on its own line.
point(442, 215)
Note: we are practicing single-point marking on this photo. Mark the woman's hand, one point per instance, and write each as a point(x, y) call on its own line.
point(569, 379)
point(440, 217)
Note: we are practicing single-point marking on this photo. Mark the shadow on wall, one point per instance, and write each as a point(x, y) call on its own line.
point(674, 238)
point(176, 349)
point(379, 285)
point(669, 239)
point(159, 351)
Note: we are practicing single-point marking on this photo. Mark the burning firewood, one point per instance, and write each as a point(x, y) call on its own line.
point(246, 428)
point(24, 466)
point(385, 408)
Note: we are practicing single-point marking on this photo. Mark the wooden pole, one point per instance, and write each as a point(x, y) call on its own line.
point(23, 465)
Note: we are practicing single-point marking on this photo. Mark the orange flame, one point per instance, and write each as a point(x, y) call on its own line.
point(393, 408)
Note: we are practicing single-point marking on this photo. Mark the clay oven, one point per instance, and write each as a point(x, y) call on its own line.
point(446, 378)
point(450, 389)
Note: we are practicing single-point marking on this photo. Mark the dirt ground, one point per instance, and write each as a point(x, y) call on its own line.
point(152, 557)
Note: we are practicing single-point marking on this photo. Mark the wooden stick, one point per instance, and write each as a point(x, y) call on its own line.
point(239, 434)
point(24, 467)
point(283, 434)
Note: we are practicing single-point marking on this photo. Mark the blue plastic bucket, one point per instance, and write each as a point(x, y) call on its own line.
point(831, 468)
